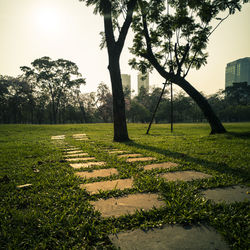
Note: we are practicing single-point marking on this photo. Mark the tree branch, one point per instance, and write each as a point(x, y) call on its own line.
point(124, 30)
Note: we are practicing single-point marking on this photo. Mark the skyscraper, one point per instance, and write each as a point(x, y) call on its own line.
point(143, 83)
point(238, 72)
point(126, 81)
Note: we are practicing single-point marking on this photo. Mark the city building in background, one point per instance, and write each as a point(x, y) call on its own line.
point(238, 72)
point(143, 82)
point(126, 81)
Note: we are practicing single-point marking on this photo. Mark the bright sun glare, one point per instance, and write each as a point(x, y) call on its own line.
point(47, 19)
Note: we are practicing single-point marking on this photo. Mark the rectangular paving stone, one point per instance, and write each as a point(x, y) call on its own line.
point(74, 152)
point(228, 194)
point(140, 159)
point(58, 137)
point(94, 188)
point(184, 176)
point(78, 135)
point(76, 155)
point(97, 173)
point(82, 139)
point(127, 205)
point(117, 152)
point(163, 165)
point(87, 164)
point(129, 155)
point(70, 149)
point(175, 237)
point(80, 159)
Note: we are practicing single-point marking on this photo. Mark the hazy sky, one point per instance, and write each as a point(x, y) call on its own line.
point(67, 29)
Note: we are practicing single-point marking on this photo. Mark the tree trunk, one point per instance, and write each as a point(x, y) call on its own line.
point(215, 123)
point(114, 52)
point(120, 124)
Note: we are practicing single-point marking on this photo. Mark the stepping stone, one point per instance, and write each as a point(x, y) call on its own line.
point(94, 188)
point(140, 159)
point(184, 176)
point(170, 237)
point(164, 165)
point(76, 155)
point(68, 150)
point(117, 152)
point(228, 194)
point(78, 135)
point(127, 205)
point(58, 137)
point(129, 155)
point(82, 139)
point(87, 164)
point(81, 159)
point(97, 173)
point(24, 186)
point(75, 152)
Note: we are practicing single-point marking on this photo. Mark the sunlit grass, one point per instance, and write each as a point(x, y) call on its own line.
point(55, 214)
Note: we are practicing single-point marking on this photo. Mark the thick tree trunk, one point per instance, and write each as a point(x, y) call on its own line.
point(120, 124)
point(114, 51)
point(215, 123)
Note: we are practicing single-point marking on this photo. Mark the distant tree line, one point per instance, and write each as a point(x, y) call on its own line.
point(43, 99)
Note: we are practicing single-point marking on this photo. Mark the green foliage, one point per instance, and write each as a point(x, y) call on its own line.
point(55, 214)
point(176, 32)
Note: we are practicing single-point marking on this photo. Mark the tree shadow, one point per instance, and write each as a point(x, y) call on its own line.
point(217, 166)
point(241, 135)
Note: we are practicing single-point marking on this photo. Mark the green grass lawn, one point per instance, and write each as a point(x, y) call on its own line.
point(54, 213)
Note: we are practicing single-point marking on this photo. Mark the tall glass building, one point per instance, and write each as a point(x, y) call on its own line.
point(143, 82)
point(238, 71)
point(126, 81)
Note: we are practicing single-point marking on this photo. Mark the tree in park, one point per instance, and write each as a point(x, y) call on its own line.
point(171, 36)
point(55, 78)
point(112, 12)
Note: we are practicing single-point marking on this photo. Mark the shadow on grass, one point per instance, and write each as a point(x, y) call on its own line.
point(241, 135)
point(218, 166)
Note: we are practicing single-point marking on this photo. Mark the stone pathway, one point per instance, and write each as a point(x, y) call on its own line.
point(168, 237)
point(174, 237)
